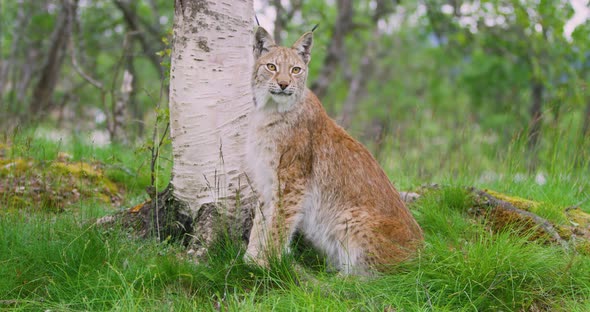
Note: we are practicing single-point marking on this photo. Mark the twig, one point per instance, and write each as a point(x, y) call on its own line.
point(97, 84)
point(156, 152)
point(121, 60)
point(155, 155)
point(429, 301)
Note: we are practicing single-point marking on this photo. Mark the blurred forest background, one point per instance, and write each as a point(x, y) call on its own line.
point(430, 86)
point(472, 95)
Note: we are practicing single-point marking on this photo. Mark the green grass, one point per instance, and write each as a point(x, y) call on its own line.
point(62, 261)
point(78, 266)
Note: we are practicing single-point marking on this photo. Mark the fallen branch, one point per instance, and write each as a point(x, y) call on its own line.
point(500, 206)
point(501, 213)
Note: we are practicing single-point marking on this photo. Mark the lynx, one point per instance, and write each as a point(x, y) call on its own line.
point(312, 177)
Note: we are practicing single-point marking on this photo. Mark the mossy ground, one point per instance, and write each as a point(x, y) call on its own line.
point(54, 185)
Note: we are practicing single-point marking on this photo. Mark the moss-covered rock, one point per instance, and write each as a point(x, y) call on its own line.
point(516, 201)
point(569, 226)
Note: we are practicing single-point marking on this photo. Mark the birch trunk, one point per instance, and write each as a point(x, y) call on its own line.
point(210, 97)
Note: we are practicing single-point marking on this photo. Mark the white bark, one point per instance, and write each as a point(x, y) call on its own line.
point(210, 96)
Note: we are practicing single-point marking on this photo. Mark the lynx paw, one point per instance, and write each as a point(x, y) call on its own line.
point(255, 260)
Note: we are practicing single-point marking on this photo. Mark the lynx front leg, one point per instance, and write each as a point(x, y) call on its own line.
point(286, 219)
point(258, 235)
point(275, 223)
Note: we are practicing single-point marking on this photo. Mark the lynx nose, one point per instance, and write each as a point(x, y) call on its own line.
point(283, 85)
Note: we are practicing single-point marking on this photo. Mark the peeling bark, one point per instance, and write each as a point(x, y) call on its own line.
point(210, 97)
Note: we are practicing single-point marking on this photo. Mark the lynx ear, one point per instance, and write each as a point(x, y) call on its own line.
point(263, 42)
point(303, 46)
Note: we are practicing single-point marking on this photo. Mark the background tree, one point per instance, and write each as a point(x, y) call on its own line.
point(32, 62)
point(50, 71)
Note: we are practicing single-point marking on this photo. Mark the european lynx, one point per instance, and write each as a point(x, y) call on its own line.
point(313, 177)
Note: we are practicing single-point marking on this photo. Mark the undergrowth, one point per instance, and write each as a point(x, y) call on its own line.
point(63, 261)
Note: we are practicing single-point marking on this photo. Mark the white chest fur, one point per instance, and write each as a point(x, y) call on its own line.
point(262, 153)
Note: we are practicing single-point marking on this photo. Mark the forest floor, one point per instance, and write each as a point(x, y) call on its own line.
point(53, 255)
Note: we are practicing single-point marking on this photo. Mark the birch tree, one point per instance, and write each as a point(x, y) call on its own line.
point(210, 98)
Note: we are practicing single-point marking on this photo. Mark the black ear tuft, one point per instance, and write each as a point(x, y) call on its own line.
point(263, 42)
point(303, 46)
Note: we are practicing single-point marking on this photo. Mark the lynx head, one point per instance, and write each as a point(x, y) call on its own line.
point(280, 73)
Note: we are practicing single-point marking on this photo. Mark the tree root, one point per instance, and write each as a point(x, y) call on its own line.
point(169, 219)
point(163, 217)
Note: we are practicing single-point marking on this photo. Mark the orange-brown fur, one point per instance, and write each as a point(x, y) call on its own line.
point(315, 178)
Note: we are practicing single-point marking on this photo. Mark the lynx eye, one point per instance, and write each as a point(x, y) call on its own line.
point(296, 70)
point(271, 67)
